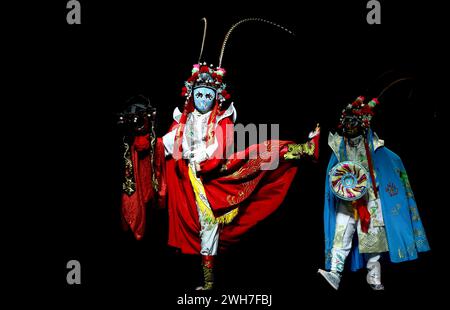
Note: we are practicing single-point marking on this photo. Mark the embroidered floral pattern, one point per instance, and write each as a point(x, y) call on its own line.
point(247, 171)
point(391, 189)
point(128, 185)
point(395, 210)
point(203, 203)
point(297, 151)
point(414, 213)
point(405, 181)
point(339, 236)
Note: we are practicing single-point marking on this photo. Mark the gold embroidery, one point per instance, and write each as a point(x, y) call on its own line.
point(405, 180)
point(418, 232)
point(242, 194)
point(203, 204)
point(411, 249)
point(155, 182)
point(248, 170)
point(414, 213)
point(223, 168)
point(395, 209)
point(297, 151)
point(128, 185)
point(254, 165)
point(339, 236)
point(401, 254)
point(208, 277)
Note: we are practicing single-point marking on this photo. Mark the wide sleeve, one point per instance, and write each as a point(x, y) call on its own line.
point(169, 138)
point(420, 237)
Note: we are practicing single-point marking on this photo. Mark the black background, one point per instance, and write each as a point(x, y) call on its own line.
point(79, 76)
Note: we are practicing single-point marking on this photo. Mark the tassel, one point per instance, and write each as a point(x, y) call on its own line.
point(361, 206)
point(199, 192)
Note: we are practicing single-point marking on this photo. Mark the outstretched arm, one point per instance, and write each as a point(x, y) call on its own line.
point(308, 149)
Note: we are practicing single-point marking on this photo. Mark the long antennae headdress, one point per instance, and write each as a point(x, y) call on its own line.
point(252, 19)
point(204, 37)
point(365, 111)
point(384, 75)
point(393, 83)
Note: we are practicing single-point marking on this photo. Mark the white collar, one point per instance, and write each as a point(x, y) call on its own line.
point(229, 111)
point(334, 141)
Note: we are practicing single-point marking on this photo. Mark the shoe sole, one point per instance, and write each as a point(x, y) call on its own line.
point(323, 273)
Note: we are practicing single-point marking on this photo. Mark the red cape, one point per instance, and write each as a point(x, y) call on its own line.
point(243, 184)
point(228, 182)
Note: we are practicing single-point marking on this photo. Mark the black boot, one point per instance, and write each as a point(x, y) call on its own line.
point(208, 273)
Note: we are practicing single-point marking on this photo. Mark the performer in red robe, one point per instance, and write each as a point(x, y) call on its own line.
point(214, 194)
point(214, 198)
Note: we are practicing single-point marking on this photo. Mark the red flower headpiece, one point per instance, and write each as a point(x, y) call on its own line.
point(206, 76)
point(360, 111)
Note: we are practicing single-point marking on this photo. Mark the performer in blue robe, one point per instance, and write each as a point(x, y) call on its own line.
point(385, 216)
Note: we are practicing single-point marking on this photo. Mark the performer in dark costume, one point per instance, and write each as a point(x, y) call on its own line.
point(368, 192)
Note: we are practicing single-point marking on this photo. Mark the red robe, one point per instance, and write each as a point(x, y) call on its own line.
point(229, 183)
point(243, 184)
point(134, 206)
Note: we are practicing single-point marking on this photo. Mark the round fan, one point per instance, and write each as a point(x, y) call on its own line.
point(349, 180)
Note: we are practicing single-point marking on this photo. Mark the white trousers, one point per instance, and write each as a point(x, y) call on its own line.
point(346, 226)
point(209, 235)
point(209, 230)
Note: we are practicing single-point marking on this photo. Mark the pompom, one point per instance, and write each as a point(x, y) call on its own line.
point(220, 71)
point(204, 69)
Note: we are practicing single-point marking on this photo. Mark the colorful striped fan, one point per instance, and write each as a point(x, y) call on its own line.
point(349, 180)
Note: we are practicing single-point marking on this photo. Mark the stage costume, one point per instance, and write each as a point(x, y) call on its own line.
point(143, 164)
point(385, 217)
point(214, 194)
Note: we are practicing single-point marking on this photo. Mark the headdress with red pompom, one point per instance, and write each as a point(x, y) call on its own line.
point(362, 112)
point(204, 75)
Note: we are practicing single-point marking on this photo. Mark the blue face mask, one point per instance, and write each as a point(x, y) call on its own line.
point(204, 99)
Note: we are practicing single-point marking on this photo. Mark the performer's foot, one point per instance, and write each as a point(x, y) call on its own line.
point(207, 287)
point(208, 273)
point(377, 287)
point(333, 278)
point(374, 276)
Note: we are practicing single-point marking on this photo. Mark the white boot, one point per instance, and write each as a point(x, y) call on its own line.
point(374, 276)
point(333, 278)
